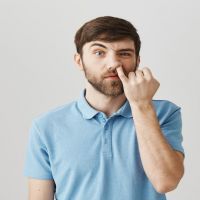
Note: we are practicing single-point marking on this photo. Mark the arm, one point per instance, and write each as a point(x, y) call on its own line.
point(41, 189)
point(162, 164)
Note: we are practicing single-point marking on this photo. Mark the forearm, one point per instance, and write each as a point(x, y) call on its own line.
point(161, 164)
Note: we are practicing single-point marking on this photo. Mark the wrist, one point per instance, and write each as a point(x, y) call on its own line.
point(142, 106)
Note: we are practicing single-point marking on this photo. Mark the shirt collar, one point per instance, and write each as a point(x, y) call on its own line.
point(89, 112)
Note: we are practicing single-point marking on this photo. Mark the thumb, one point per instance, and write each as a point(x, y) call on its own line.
point(121, 75)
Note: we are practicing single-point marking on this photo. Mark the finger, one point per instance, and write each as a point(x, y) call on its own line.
point(121, 75)
point(157, 82)
point(131, 75)
point(147, 73)
point(139, 73)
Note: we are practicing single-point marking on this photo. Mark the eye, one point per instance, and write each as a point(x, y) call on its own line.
point(99, 53)
point(125, 54)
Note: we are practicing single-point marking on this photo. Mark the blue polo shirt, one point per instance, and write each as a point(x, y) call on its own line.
point(92, 156)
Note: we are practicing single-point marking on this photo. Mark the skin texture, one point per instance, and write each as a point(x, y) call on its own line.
point(96, 63)
point(163, 166)
point(41, 189)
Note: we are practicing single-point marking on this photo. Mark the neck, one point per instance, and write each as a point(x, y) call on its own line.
point(103, 103)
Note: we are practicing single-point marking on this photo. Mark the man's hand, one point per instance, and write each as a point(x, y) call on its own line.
point(139, 86)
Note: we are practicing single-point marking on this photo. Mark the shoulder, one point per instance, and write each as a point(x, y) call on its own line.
point(165, 109)
point(165, 105)
point(56, 116)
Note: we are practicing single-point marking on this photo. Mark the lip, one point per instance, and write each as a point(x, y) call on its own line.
point(113, 77)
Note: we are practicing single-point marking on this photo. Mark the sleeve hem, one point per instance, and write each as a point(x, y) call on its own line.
point(44, 177)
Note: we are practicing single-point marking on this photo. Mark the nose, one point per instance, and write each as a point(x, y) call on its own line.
point(113, 62)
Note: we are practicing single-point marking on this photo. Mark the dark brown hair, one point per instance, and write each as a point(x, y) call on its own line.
point(108, 29)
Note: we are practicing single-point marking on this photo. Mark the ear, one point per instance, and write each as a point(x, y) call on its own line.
point(137, 61)
point(78, 61)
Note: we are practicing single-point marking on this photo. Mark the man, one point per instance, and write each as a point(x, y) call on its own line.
point(114, 142)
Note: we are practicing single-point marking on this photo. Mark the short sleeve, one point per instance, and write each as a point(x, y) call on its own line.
point(37, 164)
point(172, 129)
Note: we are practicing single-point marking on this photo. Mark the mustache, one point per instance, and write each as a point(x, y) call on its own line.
point(114, 73)
point(107, 75)
point(111, 73)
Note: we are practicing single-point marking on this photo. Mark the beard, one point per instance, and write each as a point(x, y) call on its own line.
point(112, 88)
point(105, 86)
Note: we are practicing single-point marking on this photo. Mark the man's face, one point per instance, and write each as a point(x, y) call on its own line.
point(100, 60)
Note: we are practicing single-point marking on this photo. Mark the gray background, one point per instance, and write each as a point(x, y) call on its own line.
point(37, 72)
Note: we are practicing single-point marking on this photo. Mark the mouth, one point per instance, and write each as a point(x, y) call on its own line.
point(112, 77)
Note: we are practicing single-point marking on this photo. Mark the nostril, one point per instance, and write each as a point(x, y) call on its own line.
point(111, 68)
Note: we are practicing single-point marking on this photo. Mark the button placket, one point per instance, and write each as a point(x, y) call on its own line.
point(107, 145)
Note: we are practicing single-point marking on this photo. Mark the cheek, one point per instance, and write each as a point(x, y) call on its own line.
point(92, 68)
point(129, 66)
point(90, 62)
point(93, 65)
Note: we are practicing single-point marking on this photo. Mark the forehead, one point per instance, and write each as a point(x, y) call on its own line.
point(116, 45)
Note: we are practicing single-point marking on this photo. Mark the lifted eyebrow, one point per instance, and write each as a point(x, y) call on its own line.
point(98, 44)
point(120, 50)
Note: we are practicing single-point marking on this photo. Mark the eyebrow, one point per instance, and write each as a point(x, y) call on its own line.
point(101, 45)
